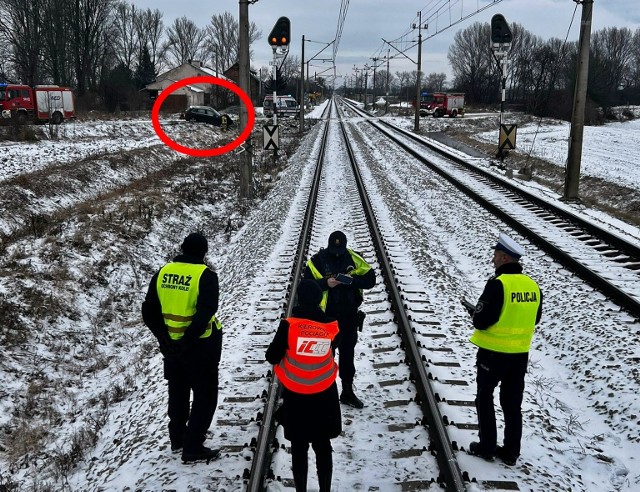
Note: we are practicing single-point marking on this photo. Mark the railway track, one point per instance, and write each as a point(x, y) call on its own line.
point(412, 374)
point(607, 261)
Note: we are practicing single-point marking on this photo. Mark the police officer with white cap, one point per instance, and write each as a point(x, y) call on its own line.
point(504, 320)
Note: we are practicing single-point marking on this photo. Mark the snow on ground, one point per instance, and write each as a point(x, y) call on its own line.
point(608, 151)
point(566, 358)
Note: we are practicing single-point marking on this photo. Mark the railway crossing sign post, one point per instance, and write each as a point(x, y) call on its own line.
point(500, 43)
point(270, 137)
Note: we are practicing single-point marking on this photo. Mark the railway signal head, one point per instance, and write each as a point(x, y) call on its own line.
point(500, 32)
point(280, 35)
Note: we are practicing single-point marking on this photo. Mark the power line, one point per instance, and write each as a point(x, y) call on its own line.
point(344, 7)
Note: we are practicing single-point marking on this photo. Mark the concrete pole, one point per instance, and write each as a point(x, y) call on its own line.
point(373, 88)
point(246, 161)
point(301, 126)
point(387, 88)
point(416, 125)
point(572, 176)
point(366, 79)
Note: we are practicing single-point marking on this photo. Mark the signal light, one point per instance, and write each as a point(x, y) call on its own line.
point(281, 33)
point(500, 32)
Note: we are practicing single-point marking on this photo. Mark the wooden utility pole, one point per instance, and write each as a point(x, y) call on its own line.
point(246, 158)
point(572, 175)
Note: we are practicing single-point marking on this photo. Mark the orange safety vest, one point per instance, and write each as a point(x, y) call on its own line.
point(308, 366)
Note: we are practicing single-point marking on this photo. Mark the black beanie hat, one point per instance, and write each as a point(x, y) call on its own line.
point(337, 243)
point(309, 293)
point(195, 244)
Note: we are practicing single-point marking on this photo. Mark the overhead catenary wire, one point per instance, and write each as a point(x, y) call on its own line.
point(431, 15)
point(344, 7)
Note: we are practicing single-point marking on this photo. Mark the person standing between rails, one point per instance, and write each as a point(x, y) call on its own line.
point(180, 309)
point(302, 354)
point(504, 319)
point(342, 274)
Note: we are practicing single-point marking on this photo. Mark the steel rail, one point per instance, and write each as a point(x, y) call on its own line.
point(607, 236)
point(261, 458)
point(451, 475)
point(625, 300)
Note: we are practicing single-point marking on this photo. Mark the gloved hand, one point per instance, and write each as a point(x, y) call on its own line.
point(468, 306)
point(168, 346)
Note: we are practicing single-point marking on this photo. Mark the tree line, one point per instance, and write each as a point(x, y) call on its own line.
point(542, 73)
point(106, 49)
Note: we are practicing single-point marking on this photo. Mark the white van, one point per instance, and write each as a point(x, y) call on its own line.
point(285, 106)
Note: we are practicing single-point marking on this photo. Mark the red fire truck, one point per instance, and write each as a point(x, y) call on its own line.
point(439, 104)
point(41, 103)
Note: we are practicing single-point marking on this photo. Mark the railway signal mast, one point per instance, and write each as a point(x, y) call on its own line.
point(501, 38)
point(279, 37)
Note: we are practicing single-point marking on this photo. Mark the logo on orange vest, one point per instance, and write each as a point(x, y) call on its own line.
point(313, 347)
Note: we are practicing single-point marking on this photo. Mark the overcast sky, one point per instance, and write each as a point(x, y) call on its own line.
point(369, 21)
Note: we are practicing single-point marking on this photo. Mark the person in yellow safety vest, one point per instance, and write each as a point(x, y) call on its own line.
point(179, 309)
point(302, 354)
point(342, 274)
point(504, 318)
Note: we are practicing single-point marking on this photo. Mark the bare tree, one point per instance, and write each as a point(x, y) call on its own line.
point(57, 56)
point(222, 40)
point(186, 41)
point(435, 82)
point(405, 79)
point(90, 23)
point(126, 44)
point(6, 74)
point(611, 55)
point(634, 73)
point(21, 27)
point(150, 29)
point(381, 81)
point(472, 62)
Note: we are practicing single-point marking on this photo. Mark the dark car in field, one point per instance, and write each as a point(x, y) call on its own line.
point(206, 114)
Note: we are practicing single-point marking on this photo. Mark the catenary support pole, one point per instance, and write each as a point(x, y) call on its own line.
point(246, 160)
point(572, 175)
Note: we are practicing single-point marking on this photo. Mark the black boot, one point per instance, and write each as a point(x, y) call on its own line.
point(201, 453)
point(348, 397)
point(324, 464)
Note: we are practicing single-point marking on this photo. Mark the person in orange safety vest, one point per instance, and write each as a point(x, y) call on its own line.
point(302, 354)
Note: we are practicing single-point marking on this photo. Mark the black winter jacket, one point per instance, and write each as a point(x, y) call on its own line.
point(343, 300)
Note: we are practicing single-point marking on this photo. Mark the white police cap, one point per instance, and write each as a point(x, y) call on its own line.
point(509, 246)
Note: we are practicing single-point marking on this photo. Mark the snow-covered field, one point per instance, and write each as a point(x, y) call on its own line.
point(609, 151)
point(83, 401)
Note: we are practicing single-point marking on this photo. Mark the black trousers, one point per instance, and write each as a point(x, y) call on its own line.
point(508, 370)
point(346, 349)
point(194, 371)
point(300, 463)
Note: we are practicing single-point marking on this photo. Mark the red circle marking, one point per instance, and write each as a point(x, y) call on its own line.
point(155, 115)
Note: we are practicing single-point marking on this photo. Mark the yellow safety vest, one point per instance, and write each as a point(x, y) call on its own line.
point(361, 267)
point(513, 331)
point(178, 286)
